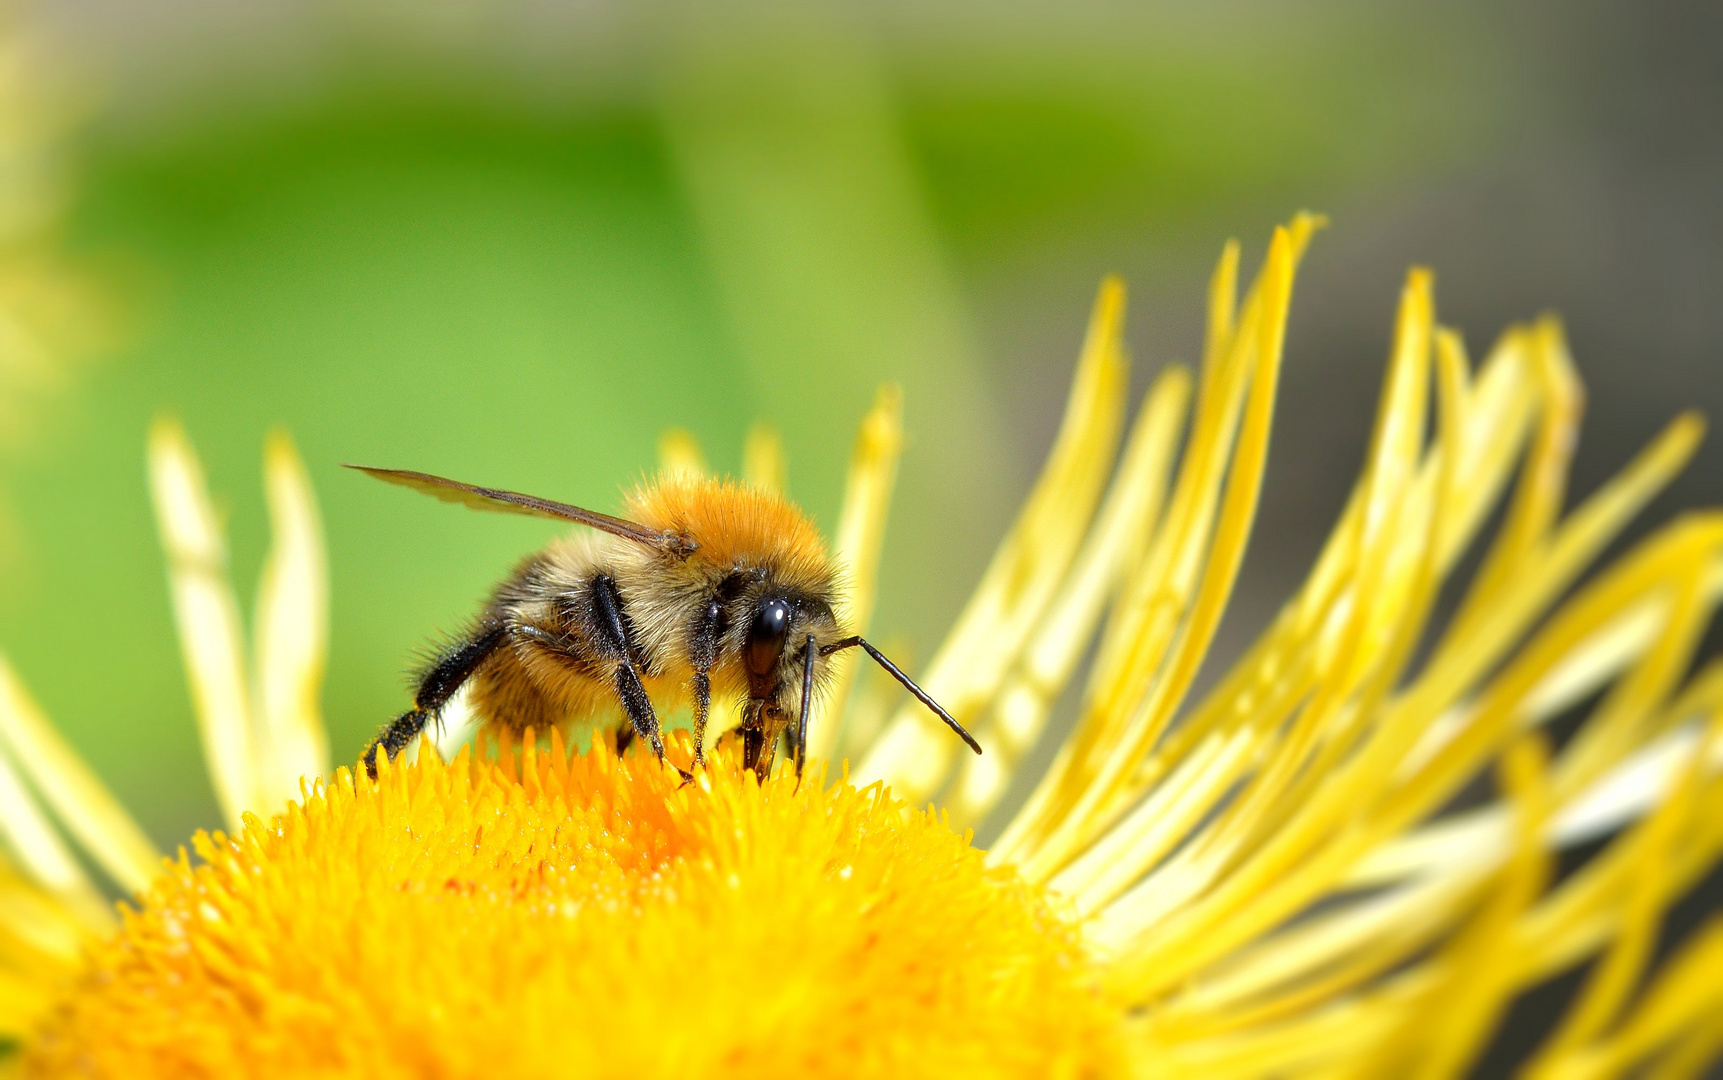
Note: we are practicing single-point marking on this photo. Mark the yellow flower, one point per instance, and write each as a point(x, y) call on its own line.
point(1268, 880)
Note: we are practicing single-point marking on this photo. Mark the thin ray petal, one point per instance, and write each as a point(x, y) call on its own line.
point(1678, 1011)
point(207, 614)
point(1121, 531)
point(915, 753)
point(31, 839)
point(1474, 974)
point(1616, 975)
point(1200, 569)
point(763, 458)
point(82, 803)
point(679, 453)
point(292, 627)
point(857, 545)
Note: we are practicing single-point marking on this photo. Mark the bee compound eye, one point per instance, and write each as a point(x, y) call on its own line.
point(766, 637)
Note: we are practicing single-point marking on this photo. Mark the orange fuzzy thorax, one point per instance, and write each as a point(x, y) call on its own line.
point(736, 525)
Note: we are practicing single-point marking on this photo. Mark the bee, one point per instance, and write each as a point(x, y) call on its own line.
point(708, 587)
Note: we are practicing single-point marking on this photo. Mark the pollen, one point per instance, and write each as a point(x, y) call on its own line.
point(545, 914)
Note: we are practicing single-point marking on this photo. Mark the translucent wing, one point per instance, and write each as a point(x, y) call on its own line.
point(513, 502)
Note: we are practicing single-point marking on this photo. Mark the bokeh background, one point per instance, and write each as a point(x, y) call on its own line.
point(513, 242)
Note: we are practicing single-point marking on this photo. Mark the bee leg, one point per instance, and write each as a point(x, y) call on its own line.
point(702, 683)
point(436, 686)
point(624, 738)
point(639, 709)
point(395, 738)
point(613, 630)
point(702, 653)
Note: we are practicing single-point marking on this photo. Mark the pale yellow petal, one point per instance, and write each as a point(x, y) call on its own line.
point(1148, 609)
point(207, 614)
point(914, 754)
point(1475, 973)
point(1395, 576)
point(1583, 913)
point(1301, 774)
point(1678, 1011)
point(860, 538)
point(32, 840)
point(1115, 542)
point(763, 458)
point(1308, 851)
point(292, 630)
point(1538, 501)
point(1654, 884)
point(1181, 591)
point(82, 803)
point(679, 453)
point(1319, 959)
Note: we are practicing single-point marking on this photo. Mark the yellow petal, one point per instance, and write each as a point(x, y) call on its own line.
point(32, 840)
point(1678, 1012)
point(1116, 542)
point(292, 631)
point(1475, 973)
point(860, 538)
point(208, 618)
point(83, 804)
point(914, 753)
point(763, 458)
point(679, 453)
point(1173, 608)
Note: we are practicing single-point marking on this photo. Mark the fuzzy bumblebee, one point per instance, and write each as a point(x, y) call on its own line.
point(709, 586)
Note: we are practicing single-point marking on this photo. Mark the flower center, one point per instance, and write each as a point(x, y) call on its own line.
point(551, 915)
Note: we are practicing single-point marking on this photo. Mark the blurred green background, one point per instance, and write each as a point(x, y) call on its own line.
point(512, 243)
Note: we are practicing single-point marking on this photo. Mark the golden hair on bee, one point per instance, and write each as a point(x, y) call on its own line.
point(707, 587)
point(734, 522)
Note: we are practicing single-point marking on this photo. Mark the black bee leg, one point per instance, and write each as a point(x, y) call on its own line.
point(639, 709)
point(702, 683)
point(623, 737)
point(702, 653)
point(437, 685)
point(614, 633)
point(395, 738)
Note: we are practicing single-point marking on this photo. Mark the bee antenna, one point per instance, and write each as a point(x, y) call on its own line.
point(807, 699)
point(908, 684)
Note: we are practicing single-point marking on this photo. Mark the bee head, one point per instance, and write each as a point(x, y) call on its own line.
point(767, 632)
point(783, 641)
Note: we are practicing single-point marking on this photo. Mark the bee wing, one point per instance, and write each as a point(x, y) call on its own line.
point(513, 502)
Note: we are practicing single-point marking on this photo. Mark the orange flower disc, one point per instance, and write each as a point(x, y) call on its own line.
point(551, 915)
